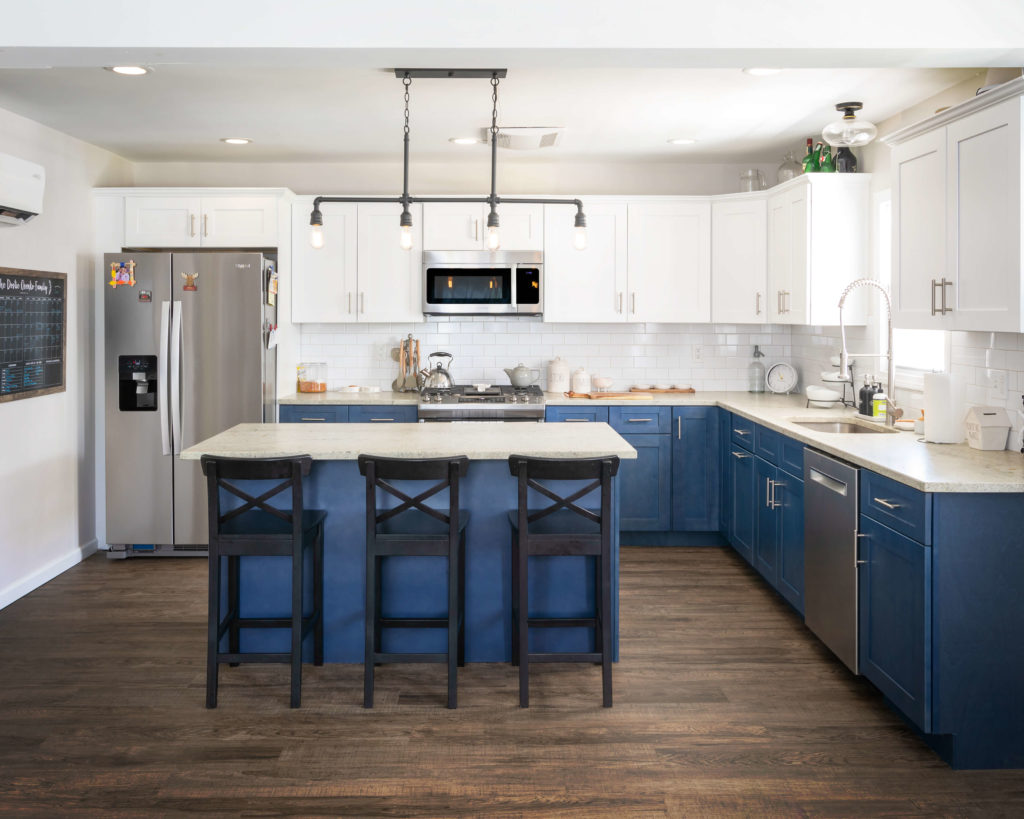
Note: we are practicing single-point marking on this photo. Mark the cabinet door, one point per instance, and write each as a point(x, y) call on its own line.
point(695, 459)
point(766, 541)
point(788, 214)
point(586, 285)
point(644, 485)
point(789, 497)
point(161, 221)
point(669, 261)
point(743, 526)
point(522, 226)
point(390, 279)
point(324, 280)
point(453, 226)
point(984, 202)
point(895, 618)
point(918, 223)
point(739, 261)
point(239, 221)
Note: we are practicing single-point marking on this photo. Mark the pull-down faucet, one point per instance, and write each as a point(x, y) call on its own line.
point(892, 412)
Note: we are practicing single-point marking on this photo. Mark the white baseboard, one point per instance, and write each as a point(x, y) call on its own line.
point(44, 574)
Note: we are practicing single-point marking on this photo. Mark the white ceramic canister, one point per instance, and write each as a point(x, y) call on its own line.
point(581, 381)
point(558, 376)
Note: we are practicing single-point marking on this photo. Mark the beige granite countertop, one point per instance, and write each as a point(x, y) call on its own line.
point(480, 442)
point(333, 398)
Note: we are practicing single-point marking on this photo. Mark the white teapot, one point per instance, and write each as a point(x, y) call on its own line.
point(522, 376)
point(581, 381)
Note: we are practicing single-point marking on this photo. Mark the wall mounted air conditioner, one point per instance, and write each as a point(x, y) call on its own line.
point(21, 190)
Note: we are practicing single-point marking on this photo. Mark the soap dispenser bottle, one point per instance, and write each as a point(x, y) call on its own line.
point(755, 372)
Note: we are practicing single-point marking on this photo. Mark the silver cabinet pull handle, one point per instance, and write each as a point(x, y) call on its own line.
point(935, 284)
point(476, 230)
point(576, 420)
point(619, 308)
point(679, 427)
point(944, 284)
point(774, 503)
point(192, 225)
point(768, 492)
point(634, 302)
point(362, 303)
point(742, 431)
point(206, 231)
point(350, 302)
point(312, 419)
point(757, 303)
point(786, 302)
point(741, 455)
point(639, 420)
point(382, 419)
point(886, 503)
point(778, 302)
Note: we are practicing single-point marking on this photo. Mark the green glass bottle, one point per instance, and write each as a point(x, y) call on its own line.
point(827, 163)
point(810, 162)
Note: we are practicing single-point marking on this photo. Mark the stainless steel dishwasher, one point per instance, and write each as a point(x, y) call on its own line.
point(830, 553)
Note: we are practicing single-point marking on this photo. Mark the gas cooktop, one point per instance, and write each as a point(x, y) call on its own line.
point(494, 403)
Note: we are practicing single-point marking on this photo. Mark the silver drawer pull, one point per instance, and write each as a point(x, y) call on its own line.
point(382, 419)
point(576, 420)
point(886, 503)
point(742, 431)
point(312, 419)
point(741, 455)
point(639, 420)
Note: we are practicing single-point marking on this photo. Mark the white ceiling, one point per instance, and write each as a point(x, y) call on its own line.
point(301, 113)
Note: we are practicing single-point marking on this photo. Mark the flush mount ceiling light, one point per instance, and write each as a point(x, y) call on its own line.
point(316, 219)
point(236, 140)
point(849, 132)
point(761, 72)
point(464, 140)
point(129, 70)
point(681, 141)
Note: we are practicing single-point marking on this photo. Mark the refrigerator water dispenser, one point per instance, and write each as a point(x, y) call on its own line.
point(137, 383)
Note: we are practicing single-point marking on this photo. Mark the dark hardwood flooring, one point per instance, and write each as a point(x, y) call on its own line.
point(724, 705)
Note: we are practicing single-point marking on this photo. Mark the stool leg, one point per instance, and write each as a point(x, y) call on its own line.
point(453, 624)
point(318, 597)
point(462, 599)
point(515, 595)
point(296, 652)
point(234, 610)
point(370, 631)
point(606, 631)
point(598, 619)
point(523, 626)
point(213, 626)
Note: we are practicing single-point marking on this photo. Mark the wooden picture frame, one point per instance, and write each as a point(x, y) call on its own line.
point(17, 287)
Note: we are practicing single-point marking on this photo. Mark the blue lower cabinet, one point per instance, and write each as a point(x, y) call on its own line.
point(299, 414)
point(789, 499)
point(743, 520)
point(382, 413)
point(895, 618)
point(695, 469)
point(645, 485)
point(576, 414)
point(766, 542)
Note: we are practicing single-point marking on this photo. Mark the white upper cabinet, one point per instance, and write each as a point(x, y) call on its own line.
point(818, 241)
point(957, 189)
point(201, 221)
point(390, 281)
point(669, 261)
point(360, 274)
point(586, 285)
point(739, 260)
point(324, 285)
point(463, 226)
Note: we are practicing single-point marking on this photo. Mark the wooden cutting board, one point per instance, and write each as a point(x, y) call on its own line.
point(618, 396)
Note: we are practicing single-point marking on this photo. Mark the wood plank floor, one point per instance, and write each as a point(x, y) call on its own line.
point(724, 705)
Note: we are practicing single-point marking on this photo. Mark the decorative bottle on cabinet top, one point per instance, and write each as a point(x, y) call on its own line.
point(755, 372)
point(811, 157)
point(789, 169)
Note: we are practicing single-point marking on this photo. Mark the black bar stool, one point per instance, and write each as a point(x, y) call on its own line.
point(563, 528)
point(255, 528)
point(414, 529)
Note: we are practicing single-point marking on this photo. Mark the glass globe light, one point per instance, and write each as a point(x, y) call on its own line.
point(849, 132)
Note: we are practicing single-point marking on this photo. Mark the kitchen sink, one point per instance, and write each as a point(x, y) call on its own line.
point(845, 427)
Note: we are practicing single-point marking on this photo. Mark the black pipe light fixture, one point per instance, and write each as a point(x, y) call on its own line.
point(493, 236)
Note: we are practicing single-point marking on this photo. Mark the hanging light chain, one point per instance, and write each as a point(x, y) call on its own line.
point(494, 106)
point(407, 81)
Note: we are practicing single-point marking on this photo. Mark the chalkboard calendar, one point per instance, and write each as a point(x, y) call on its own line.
point(33, 322)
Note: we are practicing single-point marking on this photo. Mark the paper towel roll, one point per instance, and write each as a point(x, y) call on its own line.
point(943, 408)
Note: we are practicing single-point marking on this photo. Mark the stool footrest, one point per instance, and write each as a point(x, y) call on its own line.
point(414, 622)
point(225, 657)
point(574, 657)
point(387, 657)
point(562, 622)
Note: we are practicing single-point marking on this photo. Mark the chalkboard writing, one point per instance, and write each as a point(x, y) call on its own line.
point(33, 322)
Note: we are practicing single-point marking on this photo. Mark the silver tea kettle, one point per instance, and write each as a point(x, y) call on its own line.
point(438, 378)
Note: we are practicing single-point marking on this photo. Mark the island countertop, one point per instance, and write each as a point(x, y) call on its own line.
point(478, 441)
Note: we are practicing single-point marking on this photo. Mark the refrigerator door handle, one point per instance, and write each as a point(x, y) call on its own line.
point(161, 377)
point(176, 377)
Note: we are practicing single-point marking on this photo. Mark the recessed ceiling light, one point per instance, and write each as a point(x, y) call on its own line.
point(236, 140)
point(761, 72)
point(464, 140)
point(681, 141)
point(129, 70)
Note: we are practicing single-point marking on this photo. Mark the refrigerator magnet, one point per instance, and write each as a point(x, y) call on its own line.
point(190, 282)
point(146, 296)
point(122, 273)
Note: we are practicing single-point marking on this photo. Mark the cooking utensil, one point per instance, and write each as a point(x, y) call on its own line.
point(411, 383)
point(399, 383)
point(416, 368)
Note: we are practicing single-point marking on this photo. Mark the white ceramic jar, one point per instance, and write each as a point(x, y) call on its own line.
point(558, 376)
point(581, 381)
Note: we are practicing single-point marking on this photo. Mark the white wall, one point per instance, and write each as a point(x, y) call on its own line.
point(48, 443)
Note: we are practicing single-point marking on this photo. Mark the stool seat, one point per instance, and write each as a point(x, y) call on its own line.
point(258, 522)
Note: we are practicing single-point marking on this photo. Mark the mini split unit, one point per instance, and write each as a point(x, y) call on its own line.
point(21, 190)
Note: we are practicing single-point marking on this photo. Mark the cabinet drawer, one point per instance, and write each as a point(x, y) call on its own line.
point(791, 456)
point(631, 420)
point(555, 414)
point(767, 443)
point(743, 432)
point(896, 505)
point(297, 414)
point(382, 413)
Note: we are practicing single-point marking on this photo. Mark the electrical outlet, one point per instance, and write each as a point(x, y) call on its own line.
point(996, 385)
point(697, 353)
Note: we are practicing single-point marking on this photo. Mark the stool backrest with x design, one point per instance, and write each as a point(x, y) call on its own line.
point(255, 526)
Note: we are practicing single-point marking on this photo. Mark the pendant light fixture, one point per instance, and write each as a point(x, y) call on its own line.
point(849, 132)
point(493, 235)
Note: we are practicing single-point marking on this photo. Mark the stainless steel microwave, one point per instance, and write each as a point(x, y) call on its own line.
point(482, 283)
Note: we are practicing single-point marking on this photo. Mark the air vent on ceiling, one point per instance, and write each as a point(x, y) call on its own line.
point(527, 137)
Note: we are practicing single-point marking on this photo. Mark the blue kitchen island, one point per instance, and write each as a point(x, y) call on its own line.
point(417, 587)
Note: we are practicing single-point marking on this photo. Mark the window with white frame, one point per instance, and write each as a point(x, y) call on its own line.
point(915, 351)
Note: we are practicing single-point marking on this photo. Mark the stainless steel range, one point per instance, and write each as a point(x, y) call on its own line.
point(498, 403)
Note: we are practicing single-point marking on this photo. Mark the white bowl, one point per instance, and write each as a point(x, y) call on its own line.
point(662, 387)
point(349, 388)
point(369, 389)
point(601, 382)
point(822, 395)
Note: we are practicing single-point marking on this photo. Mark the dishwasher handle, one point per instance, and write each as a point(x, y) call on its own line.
point(830, 483)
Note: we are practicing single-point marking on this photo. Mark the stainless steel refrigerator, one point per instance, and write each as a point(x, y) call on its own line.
point(188, 353)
